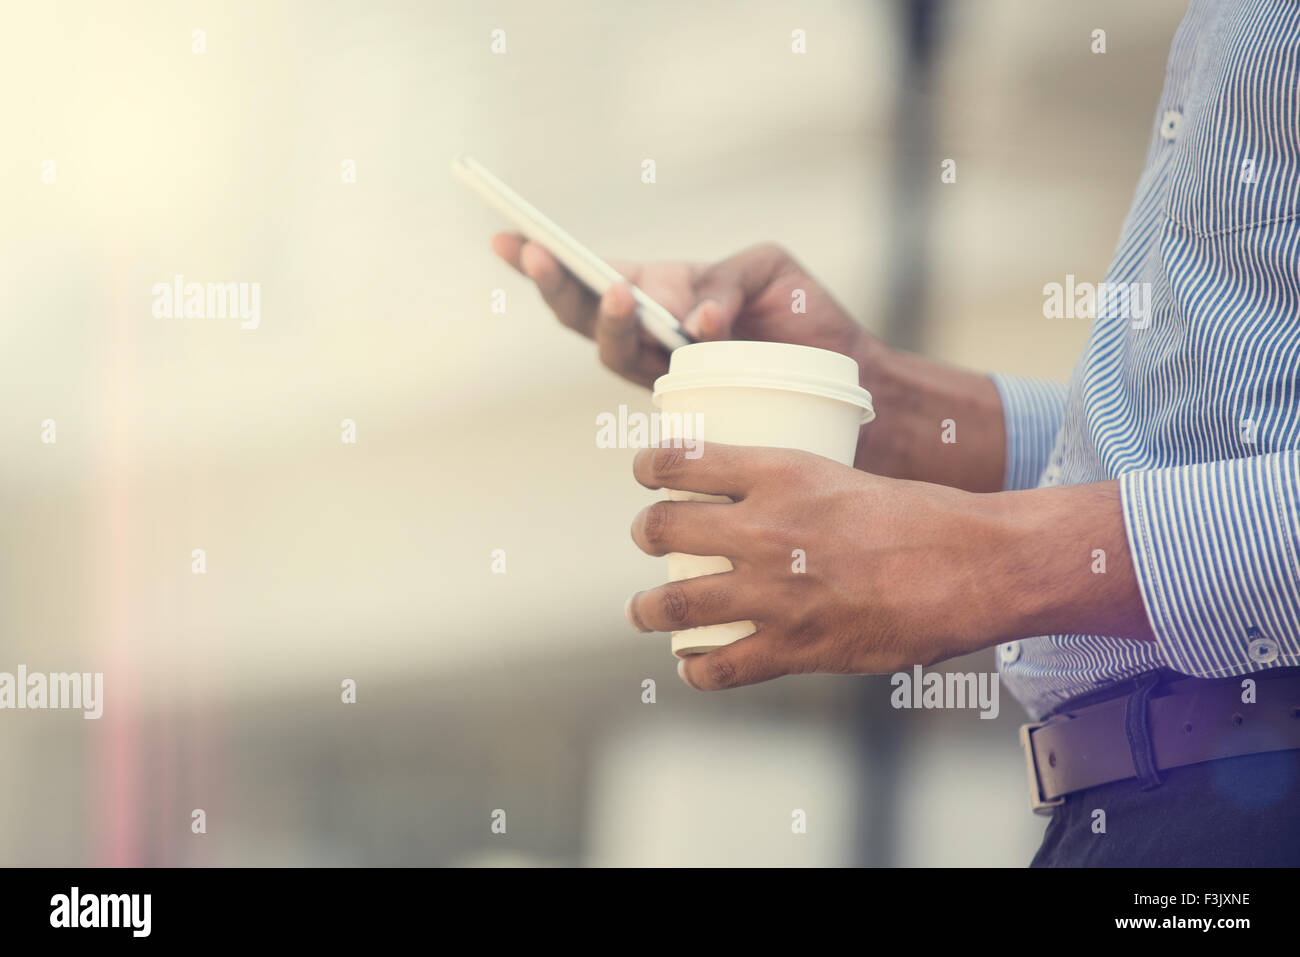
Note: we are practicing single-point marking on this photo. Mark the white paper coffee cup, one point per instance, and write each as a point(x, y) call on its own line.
point(754, 393)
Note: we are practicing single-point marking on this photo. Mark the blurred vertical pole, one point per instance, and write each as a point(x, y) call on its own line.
point(915, 173)
point(113, 796)
point(883, 736)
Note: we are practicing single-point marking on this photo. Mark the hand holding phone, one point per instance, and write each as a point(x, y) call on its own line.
point(592, 271)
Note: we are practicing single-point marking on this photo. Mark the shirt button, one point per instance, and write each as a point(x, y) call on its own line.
point(1009, 652)
point(1263, 651)
point(1170, 124)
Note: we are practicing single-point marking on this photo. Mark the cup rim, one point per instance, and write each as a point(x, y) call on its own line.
point(814, 385)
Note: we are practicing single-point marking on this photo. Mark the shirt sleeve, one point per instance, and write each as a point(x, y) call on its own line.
point(1215, 550)
point(1033, 410)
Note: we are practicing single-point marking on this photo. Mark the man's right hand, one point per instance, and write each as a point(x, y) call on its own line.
point(751, 295)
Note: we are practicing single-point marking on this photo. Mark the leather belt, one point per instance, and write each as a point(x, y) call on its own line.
point(1195, 720)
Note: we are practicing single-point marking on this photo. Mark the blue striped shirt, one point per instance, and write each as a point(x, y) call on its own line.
point(1191, 403)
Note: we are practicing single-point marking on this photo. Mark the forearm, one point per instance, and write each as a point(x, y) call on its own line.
point(934, 422)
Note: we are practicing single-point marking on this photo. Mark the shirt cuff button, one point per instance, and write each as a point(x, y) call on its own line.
point(1263, 651)
point(1170, 124)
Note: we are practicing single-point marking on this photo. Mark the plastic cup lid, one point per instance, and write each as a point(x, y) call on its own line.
point(765, 365)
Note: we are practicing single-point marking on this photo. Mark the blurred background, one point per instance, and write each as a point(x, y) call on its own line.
point(327, 561)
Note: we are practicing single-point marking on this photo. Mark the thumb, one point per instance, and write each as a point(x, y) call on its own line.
point(725, 288)
point(714, 314)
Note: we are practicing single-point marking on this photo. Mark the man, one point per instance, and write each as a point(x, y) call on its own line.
point(1172, 459)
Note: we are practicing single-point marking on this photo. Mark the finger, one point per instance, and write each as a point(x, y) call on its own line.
point(628, 270)
point(693, 528)
point(692, 602)
point(708, 467)
point(652, 362)
point(744, 662)
point(617, 330)
point(508, 246)
point(671, 284)
point(725, 288)
point(712, 319)
point(569, 299)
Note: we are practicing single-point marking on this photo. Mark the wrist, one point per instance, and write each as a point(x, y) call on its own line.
point(934, 423)
point(882, 442)
point(1059, 563)
point(994, 543)
point(871, 355)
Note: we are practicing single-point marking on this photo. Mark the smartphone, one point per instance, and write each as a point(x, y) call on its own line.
point(592, 271)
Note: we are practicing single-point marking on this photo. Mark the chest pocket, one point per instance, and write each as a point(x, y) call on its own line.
point(1238, 159)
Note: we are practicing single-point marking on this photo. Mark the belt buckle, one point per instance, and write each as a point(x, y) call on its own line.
point(1037, 803)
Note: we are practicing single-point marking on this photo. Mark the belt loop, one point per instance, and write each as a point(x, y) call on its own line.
point(1137, 726)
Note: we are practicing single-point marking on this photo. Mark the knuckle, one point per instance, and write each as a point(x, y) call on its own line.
point(569, 319)
point(666, 460)
point(765, 541)
point(802, 631)
point(548, 283)
point(774, 255)
point(719, 671)
point(610, 355)
point(790, 466)
point(752, 526)
point(655, 525)
point(675, 604)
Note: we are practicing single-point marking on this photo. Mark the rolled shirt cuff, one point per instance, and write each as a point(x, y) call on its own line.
point(1215, 550)
point(1033, 410)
